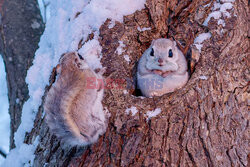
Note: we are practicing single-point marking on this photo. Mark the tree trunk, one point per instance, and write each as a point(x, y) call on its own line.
point(206, 123)
point(21, 27)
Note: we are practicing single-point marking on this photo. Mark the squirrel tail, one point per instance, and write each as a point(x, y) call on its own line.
point(59, 120)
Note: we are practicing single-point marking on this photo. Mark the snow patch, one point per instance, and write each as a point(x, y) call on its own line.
point(207, 5)
point(125, 92)
point(224, 7)
point(24, 156)
point(126, 57)
point(4, 118)
point(132, 110)
point(44, 6)
point(200, 39)
point(120, 49)
point(221, 22)
point(220, 10)
point(143, 29)
point(227, 1)
point(215, 15)
point(111, 24)
point(154, 113)
point(203, 77)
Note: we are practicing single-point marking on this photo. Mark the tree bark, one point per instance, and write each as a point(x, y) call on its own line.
point(20, 27)
point(206, 123)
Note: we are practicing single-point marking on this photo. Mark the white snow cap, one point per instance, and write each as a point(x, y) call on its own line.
point(200, 39)
point(154, 113)
point(220, 10)
point(120, 49)
point(143, 29)
point(203, 77)
point(132, 110)
point(5, 117)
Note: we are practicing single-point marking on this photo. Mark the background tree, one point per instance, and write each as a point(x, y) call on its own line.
point(21, 27)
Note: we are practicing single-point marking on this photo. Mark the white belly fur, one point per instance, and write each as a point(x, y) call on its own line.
point(155, 85)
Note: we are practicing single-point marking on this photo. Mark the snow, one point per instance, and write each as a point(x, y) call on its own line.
point(111, 24)
point(203, 77)
point(132, 110)
point(224, 7)
point(143, 29)
point(4, 118)
point(221, 22)
point(215, 15)
point(220, 10)
point(62, 34)
point(44, 12)
point(125, 92)
point(154, 113)
point(200, 39)
point(120, 49)
point(216, 6)
point(227, 1)
point(126, 57)
point(25, 156)
point(207, 5)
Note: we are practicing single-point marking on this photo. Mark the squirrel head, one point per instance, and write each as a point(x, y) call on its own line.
point(163, 55)
point(72, 61)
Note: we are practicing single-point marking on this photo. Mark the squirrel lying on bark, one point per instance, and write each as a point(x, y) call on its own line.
point(74, 111)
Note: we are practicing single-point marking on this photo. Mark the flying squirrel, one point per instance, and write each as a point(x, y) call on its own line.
point(161, 69)
point(74, 112)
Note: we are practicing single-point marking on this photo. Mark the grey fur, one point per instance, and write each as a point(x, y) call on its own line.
point(74, 112)
point(157, 73)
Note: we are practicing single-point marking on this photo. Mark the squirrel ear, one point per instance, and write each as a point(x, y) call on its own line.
point(58, 69)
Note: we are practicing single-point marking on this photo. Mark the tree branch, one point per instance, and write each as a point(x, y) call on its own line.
point(20, 29)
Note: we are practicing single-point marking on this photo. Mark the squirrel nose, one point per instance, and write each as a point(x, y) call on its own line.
point(160, 60)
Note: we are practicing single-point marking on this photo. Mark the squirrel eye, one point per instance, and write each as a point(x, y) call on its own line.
point(80, 56)
point(152, 52)
point(170, 53)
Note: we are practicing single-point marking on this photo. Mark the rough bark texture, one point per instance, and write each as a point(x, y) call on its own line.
point(20, 29)
point(206, 123)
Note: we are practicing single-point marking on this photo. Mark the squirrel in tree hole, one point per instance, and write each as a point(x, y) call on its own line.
point(161, 69)
point(74, 111)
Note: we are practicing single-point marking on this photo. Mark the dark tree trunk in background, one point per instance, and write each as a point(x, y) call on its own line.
point(20, 29)
point(206, 123)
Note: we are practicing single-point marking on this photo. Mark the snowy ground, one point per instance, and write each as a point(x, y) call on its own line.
point(4, 115)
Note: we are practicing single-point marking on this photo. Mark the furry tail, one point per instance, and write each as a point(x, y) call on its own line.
point(57, 119)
